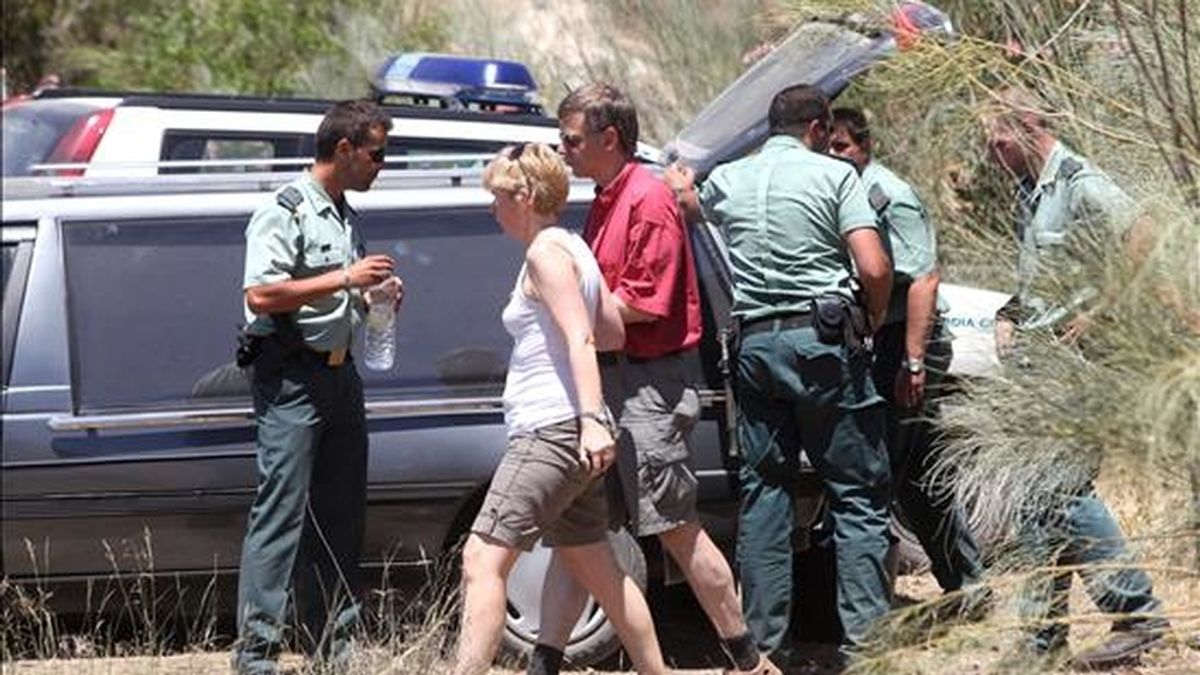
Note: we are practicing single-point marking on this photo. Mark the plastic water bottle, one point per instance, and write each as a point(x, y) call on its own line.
point(381, 325)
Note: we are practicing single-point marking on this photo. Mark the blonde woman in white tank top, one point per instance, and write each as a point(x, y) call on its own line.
point(560, 436)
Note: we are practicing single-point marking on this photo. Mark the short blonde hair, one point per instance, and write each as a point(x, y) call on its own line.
point(533, 167)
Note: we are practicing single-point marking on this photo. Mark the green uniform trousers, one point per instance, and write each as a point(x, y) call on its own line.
point(308, 517)
point(795, 393)
point(1081, 532)
point(929, 512)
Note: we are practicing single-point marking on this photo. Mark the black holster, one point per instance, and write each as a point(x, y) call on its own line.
point(838, 320)
point(249, 348)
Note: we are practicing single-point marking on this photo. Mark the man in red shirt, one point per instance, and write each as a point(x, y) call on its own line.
point(636, 233)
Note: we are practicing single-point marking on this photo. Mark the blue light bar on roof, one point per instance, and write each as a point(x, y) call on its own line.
point(459, 81)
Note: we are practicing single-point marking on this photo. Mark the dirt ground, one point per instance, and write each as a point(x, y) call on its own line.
point(690, 647)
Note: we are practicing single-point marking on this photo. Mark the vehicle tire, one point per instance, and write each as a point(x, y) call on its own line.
point(910, 558)
point(594, 638)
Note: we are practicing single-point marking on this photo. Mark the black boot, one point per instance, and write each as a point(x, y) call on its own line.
point(1121, 648)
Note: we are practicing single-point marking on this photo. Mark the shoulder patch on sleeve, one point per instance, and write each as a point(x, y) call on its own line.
point(878, 198)
point(1069, 168)
point(289, 198)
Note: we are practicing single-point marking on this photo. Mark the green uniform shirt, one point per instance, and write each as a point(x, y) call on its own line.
point(784, 212)
point(315, 239)
point(1071, 207)
point(911, 238)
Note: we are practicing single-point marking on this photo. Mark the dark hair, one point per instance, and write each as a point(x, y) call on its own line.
point(603, 106)
point(855, 123)
point(351, 120)
point(794, 107)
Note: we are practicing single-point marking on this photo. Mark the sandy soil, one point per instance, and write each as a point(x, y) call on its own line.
point(689, 646)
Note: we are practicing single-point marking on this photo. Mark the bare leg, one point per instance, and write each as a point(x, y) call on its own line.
point(563, 600)
point(486, 564)
point(595, 567)
point(709, 576)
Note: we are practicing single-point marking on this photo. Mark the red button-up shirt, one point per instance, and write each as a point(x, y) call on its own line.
point(645, 255)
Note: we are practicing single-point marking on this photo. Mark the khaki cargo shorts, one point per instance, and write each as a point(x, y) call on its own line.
point(656, 407)
point(543, 489)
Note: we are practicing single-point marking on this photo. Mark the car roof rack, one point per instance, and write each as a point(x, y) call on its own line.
point(46, 187)
point(239, 102)
point(230, 165)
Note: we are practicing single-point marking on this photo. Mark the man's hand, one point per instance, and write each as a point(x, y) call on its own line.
point(393, 287)
point(679, 178)
point(596, 446)
point(682, 181)
point(371, 270)
point(910, 388)
point(1006, 337)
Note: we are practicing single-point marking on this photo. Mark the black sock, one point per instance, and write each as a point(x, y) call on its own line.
point(545, 660)
point(742, 651)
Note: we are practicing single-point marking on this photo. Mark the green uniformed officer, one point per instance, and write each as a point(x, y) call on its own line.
point(911, 357)
point(1065, 203)
point(305, 268)
point(795, 220)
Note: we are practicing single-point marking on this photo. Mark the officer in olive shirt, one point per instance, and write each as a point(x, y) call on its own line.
point(1065, 201)
point(795, 220)
point(304, 273)
point(911, 357)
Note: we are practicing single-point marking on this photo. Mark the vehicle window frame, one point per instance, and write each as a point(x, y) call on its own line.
point(16, 281)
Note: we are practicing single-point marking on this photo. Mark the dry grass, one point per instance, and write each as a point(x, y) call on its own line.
point(1130, 407)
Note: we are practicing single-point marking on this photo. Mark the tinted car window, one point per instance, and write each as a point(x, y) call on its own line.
point(426, 147)
point(154, 307)
point(215, 145)
point(32, 130)
point(458, 270)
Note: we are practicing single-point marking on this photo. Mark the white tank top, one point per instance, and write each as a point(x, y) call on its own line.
point(540, 389)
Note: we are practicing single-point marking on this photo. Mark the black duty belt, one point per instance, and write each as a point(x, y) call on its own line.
point(776, 322)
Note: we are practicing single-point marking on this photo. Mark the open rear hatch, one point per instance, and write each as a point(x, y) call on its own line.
point(826, 53)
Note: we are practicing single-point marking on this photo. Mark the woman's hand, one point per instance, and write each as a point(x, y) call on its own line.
point(597, 447)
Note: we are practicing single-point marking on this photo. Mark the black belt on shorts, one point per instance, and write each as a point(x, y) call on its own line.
point(776, 322)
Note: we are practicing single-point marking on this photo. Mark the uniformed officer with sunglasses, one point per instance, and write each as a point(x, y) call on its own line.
point(305, 271)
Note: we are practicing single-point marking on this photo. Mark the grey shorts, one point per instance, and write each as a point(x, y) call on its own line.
point(542, 488)
point(656, 405)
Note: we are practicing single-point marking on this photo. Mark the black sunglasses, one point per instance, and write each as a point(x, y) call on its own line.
point(574, 141)
point(518, 150)
point(378, 154)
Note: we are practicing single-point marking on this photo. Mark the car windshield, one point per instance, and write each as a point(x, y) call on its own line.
point(33, 129)
point(823, 54)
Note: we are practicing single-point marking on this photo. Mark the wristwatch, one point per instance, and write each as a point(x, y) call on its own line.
point(604, 418)
point(913, 366)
